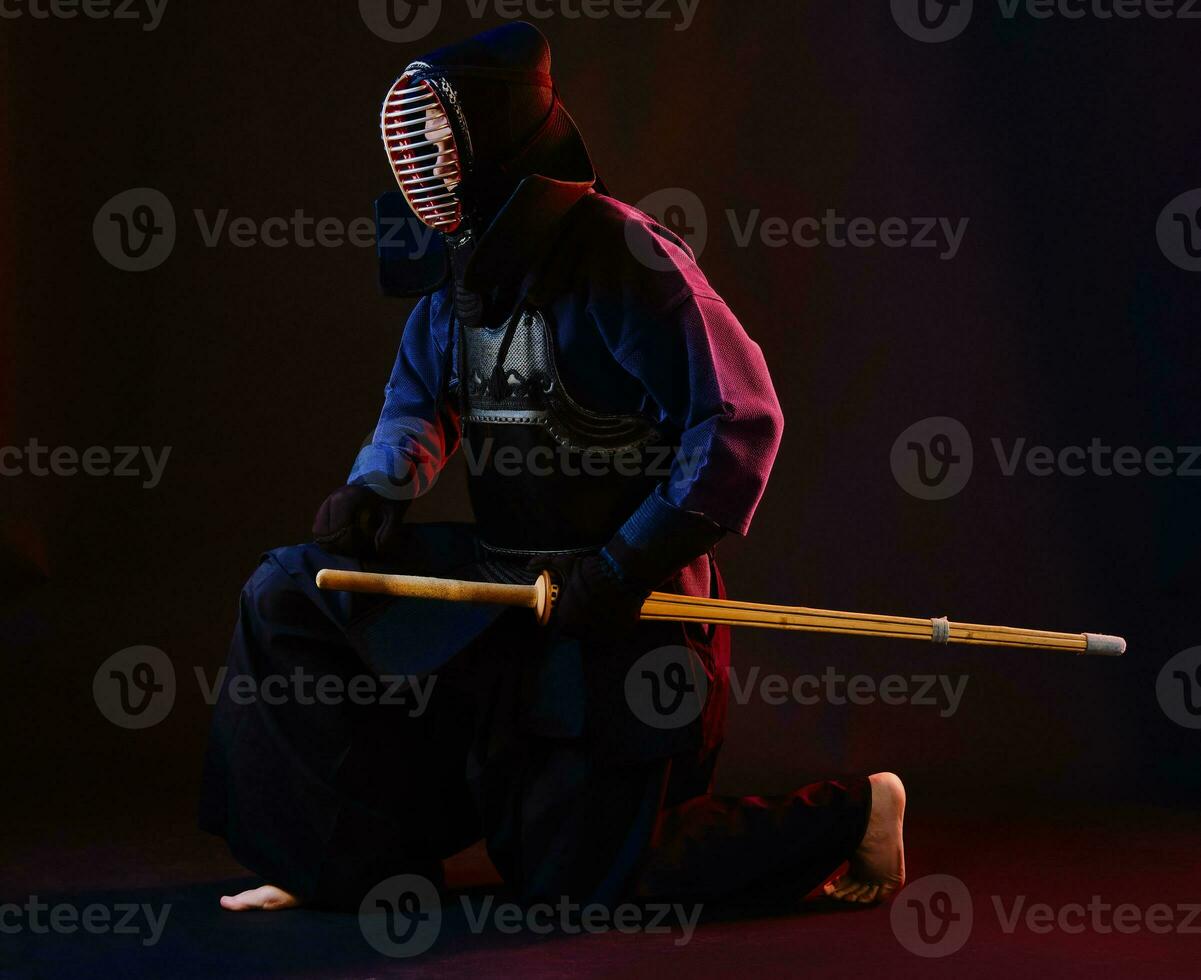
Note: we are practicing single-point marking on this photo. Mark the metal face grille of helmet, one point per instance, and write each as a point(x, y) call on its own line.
point(423, 152)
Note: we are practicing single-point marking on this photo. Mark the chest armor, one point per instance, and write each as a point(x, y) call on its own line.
point(547, 475)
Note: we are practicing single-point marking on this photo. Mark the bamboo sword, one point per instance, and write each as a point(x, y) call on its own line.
point(659, 606)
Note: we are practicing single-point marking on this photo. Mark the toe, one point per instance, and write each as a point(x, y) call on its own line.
point(888, 890)
point(843, 887)
point(868, 895)
point(847, 890)
point(855, 895)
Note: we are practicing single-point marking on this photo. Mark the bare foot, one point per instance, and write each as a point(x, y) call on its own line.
point(268, 898)
point(878, 866)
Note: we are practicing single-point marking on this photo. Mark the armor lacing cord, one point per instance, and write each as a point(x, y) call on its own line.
point(940, 630)
point(498, 383)
point(448, 357)
point(469, 306)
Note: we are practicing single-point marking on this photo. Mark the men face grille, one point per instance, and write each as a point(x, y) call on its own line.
point(422, 150)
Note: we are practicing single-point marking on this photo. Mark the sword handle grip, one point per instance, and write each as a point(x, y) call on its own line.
point(539, 597)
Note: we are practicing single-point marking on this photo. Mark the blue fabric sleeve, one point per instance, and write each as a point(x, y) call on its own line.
point(666, 326)
point(418, 429)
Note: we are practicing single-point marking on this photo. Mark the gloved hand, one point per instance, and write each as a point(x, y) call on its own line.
point(601, 595)
point(594, 602)
point(357, 522)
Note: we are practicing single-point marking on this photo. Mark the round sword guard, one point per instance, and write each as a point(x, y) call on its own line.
point(547, 591)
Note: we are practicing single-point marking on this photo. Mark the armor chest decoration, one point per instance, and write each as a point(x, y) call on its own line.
point(546, 474)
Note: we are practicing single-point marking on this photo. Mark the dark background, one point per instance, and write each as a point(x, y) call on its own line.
point(1060, 320)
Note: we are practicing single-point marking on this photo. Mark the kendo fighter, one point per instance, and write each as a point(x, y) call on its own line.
point(617, 422)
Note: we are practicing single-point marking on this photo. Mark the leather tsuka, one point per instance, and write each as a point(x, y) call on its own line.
point(657, 541)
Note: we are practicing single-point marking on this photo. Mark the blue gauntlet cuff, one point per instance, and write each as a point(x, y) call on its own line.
point(657, 541)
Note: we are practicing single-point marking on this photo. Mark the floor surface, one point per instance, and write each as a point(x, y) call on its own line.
point(1036, 892)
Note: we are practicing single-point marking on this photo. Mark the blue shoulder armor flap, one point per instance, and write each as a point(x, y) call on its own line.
point(412, 256)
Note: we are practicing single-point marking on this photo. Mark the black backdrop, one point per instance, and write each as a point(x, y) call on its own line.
point(1059, 320)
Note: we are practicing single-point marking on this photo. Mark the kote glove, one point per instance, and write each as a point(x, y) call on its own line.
point(357, 522)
